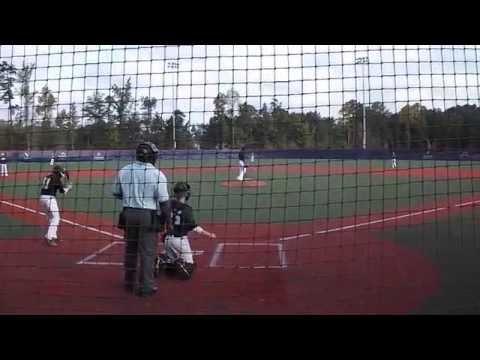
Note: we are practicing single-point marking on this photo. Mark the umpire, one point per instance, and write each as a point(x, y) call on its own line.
point(143, 191)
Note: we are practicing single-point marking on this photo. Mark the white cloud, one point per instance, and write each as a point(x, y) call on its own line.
point(267, 49)
point(198, 51)
point(254, 50)
point(318, 77)
point(281, 49)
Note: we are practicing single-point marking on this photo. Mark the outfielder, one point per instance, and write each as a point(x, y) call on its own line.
point(52, 159)
point(178, 255)
point(3, 165)
point(241, 164)
point(58, 180)
point(394, 160)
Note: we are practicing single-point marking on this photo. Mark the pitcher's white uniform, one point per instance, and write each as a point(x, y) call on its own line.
point(3, 165)
point(241, 165)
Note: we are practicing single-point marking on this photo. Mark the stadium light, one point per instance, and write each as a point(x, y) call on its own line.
point(174, 66)
point(363, 61)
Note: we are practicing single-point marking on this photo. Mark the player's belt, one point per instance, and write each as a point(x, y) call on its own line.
point(134, 208)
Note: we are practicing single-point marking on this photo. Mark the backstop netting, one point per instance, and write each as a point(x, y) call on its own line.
point(358, 190)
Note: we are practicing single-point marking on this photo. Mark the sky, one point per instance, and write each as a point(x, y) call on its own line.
point(302, 77)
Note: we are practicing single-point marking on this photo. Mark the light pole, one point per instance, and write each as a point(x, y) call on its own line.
point(174, 65)
point(363, 61)
point(32, 121)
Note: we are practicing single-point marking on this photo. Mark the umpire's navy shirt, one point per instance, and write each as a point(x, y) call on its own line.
point(3, 160)
point(141, 185)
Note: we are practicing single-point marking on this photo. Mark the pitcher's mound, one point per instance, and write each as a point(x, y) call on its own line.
point(248, 183)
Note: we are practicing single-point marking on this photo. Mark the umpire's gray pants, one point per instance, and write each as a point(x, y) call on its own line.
point(140, 240)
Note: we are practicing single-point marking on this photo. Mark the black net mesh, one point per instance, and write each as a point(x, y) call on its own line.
point(356, 190)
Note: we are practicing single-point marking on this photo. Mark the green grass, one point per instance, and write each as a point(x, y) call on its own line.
point(11, 228)
point(285, 198)
point(452, 244)
point(450, 241)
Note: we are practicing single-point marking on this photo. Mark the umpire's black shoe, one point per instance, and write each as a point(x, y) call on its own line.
point(162, 262)
point(156, 267)
point(146, 293)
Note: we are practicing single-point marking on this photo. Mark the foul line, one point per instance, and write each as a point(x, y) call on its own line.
point(353, 226)
point(219, 248)
point(64, 220)
point(89, 257)
point(468, 203)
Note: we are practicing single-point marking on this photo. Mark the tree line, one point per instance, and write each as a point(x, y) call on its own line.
point(118, 120)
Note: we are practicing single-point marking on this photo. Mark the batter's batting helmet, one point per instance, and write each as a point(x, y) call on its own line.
point(182, 188)
point(147, 152)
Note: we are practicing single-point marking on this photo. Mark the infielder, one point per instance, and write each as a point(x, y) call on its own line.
point(241, 164)
point(178, 255)
point(57, 180)
point(3, 165)
point(394, 160)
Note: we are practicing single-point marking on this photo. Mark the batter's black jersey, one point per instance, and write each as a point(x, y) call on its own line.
point(182, 218)
point(241, 155)
point(3, 159)
point(51, 185)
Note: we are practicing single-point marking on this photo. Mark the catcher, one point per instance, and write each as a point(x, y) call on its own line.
point(57, 180)
point(178, 257)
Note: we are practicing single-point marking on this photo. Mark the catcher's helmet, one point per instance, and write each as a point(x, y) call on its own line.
point(147, 152)
point(182, 188)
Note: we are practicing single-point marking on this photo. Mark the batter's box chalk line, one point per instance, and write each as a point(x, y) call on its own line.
point(221, 246)
point(89, 260)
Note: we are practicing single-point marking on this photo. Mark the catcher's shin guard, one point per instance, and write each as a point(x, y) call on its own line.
point(162, 262)
point(185, 270)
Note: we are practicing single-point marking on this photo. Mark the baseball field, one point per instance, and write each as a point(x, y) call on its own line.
point(302, 236)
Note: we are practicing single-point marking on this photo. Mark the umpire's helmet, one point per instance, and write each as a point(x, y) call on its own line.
point(147, 152)
point(182, 188)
